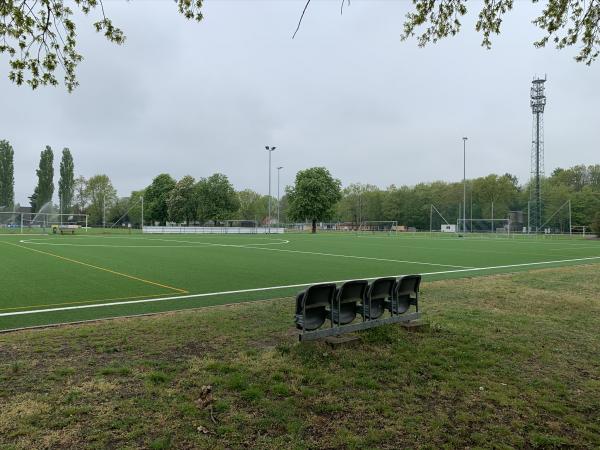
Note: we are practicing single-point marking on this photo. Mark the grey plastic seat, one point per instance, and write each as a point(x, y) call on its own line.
point(378, 293)
point(347, 298)
point(406, 293)
point(312, 304)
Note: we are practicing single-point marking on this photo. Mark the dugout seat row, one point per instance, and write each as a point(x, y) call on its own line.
point(342, 304)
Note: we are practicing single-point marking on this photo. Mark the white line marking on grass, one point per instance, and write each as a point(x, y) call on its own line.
point(364, 257)
point(195, 244)
point(248, 246)
point(273, 288)
point(21, 235)
point(500, 239)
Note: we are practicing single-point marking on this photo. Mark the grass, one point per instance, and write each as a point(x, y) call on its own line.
point(510, 360)
point(48, 273)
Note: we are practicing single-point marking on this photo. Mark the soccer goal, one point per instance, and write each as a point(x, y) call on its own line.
point(10, 221)
point(229, 226)
point(15, 221)
point(241, 223)
point(378, 226)
point(497, 227)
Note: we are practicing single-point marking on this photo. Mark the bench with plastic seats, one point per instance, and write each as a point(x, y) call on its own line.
point(342, 304)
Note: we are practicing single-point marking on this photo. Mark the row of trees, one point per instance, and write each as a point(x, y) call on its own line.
point(188, 200)
point(44, 190)
point(317, 196)
point(314, 196)
point(487, 197)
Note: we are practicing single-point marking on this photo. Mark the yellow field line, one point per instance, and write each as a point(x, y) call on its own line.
point(182, 291)
point(81, 302)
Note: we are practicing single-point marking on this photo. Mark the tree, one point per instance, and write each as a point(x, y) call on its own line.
point(217, 199)
point(7, 175)
point(499, 191)
point(101, 196)
point(360, 202)
point(314, 195)
point(565, 23)
point(182, 201)
point(40, 37)
point(66, 183)
point(44, 190)
point(253, 206)
point(80, 195)
point(596, 224)
point(155, 198)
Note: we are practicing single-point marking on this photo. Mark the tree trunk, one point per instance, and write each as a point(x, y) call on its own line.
point(314, 226)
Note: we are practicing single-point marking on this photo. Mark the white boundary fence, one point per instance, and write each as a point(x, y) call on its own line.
point(212, 230)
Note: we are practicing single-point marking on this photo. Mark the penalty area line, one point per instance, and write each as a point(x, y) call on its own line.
point(289, 286)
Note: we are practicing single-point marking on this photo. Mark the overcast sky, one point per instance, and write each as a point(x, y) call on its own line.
point(197, 98)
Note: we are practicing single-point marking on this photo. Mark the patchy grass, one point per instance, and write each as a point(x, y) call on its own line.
point(509, 361)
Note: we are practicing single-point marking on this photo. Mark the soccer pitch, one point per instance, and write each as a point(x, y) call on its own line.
point(46, 279)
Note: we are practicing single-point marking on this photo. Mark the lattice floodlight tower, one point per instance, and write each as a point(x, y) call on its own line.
point(538, 103)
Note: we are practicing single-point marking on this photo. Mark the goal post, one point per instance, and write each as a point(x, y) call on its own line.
point(11, 221)
point(485, 226)
point(26, 222)
point(378, 226)
point(43, 221)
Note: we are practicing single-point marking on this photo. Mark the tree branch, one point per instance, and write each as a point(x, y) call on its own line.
point(301, 17)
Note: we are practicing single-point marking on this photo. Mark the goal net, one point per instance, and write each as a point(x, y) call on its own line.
point(378, 226)
point(14, 221)
point(484, 226)
point(10, 221)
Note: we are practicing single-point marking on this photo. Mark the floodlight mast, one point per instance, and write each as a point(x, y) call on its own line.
point(538, 103)
point(270, 150)
point(465, 184)
point(278, 200)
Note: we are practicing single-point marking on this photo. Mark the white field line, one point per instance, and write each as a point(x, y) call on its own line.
point(504, 239)
point(249, 246)
point(21, 235)
point(195, 243)
point(289, 286)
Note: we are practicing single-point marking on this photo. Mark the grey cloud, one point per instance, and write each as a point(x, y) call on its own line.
point(182, 97)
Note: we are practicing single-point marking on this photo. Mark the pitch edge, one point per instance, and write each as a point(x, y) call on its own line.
point(289, 286)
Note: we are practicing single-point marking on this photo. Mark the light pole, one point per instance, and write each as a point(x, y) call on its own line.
point(465, 184)
point(270, 150)
point(278, 201)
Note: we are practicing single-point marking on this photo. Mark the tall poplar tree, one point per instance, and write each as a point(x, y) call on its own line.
point(7, 175)
point(45, 188)
point(66, 183)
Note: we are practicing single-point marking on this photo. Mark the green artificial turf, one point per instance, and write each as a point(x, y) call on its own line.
point(48, 272)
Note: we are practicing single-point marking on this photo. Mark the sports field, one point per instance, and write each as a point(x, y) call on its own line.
point(47, 279)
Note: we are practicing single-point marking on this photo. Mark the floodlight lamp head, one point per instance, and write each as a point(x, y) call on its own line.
point(465, 138)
